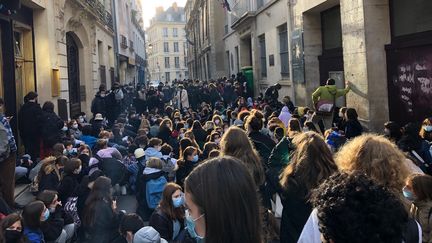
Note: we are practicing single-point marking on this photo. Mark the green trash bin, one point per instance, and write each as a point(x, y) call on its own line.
point(248, 73)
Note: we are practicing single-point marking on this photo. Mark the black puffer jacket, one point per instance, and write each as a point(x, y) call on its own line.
point(98, 105)
point(51, 126)
point(28, 115)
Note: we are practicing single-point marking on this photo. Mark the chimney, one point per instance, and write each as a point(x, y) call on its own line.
point(159, 10)
point(175, 6)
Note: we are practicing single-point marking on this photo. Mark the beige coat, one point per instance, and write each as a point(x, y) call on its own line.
point(421, 211)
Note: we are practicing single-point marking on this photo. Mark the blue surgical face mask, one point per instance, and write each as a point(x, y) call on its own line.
point(195, 158)
point(427, 128)
point(190, 226)
point(179, 201)
point(46, 215)
point(408, 194)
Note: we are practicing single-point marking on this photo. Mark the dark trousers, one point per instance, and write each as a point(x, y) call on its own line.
point(7, 179)
point(32, 146)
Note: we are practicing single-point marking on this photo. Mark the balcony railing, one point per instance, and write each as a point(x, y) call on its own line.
point(98, 9)
point(240, 9)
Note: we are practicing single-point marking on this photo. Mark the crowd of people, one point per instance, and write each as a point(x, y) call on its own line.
point(209, 162)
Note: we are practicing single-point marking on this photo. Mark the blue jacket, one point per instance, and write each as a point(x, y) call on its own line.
point(34, 236)
point(89, 140)
point(152, 152)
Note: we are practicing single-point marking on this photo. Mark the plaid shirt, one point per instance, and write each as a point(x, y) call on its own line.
point(11, 138)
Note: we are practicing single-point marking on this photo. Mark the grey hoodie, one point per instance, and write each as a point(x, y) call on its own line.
point(148, 235)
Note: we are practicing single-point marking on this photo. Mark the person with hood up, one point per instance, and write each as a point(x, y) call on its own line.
point(147, 235)
point(285, 115)
point(325, 97)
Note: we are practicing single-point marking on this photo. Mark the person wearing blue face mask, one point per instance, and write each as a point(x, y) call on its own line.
point(186, 164)
point(168, 218)
point(227, 211)
point(33, 215)
point(418, 190)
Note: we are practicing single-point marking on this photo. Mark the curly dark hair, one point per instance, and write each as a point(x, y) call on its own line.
point(353, 208)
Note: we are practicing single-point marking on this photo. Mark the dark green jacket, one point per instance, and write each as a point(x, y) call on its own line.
point(280, 156)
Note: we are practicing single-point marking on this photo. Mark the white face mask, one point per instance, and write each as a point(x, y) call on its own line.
point(217, 141)
point(64, 129)
point(75, 126)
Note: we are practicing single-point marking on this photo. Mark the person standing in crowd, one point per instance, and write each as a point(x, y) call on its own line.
point(182, 98)
point(227, 211)
point(311, 163)
point(114, 103)
point(168, 219)
point(28, 118)
point(418, 190)
point(51, 128)
point(141, 101)
point(99, 102)
point(12, 229)
point(101, 219)
point(7, 158)
point(324, 99)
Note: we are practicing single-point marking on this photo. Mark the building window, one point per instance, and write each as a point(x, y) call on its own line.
point(177, 62)
point(165, 32)
point(331, 29)
point(186, 74)
point(167, 62)
point(409, 17)
point(227, 54)
point(185, 61)
point(283, 50)
point(167, 77)
point(263, 54)
point(175, 32)
point(232, 62)
point(176, 47)
point(260, 3)
point(178, 75)
point(166, 47)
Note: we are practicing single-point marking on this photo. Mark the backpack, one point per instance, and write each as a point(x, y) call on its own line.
point(4, 143)
point(71, 209)
point(154, 189)
point(118, 95)
point(168, 167)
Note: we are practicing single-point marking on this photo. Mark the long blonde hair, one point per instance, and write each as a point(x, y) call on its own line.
point(376, 156)
point(311, 162)
point(237, 144)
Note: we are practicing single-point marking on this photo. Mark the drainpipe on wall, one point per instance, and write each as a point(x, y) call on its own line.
point(116, 41)
point(289, 28)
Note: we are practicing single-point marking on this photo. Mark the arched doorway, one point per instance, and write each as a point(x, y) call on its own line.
point(73, 75)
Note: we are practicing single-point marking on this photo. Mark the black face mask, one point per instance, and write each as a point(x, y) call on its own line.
point(13, 236)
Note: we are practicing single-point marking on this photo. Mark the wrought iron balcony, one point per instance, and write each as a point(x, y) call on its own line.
point(98, 10)
point(241, 11)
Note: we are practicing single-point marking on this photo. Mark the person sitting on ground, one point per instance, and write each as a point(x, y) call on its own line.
point(49, 175)
point(418, 190)
point(129, 225)
point(353, 128)
point(169, 163)
point(33, 215)
point(368, 211)
point(153, 149)
point(12, 229)
point(186, 164)
point(168, 218)
point(228, 211)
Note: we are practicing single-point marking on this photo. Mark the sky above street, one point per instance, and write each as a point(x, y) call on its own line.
point(149, 8)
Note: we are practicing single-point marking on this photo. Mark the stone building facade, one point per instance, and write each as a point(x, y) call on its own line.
point(382, 47)
point(257, 37)
point(166, 45)
point(205, 28)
